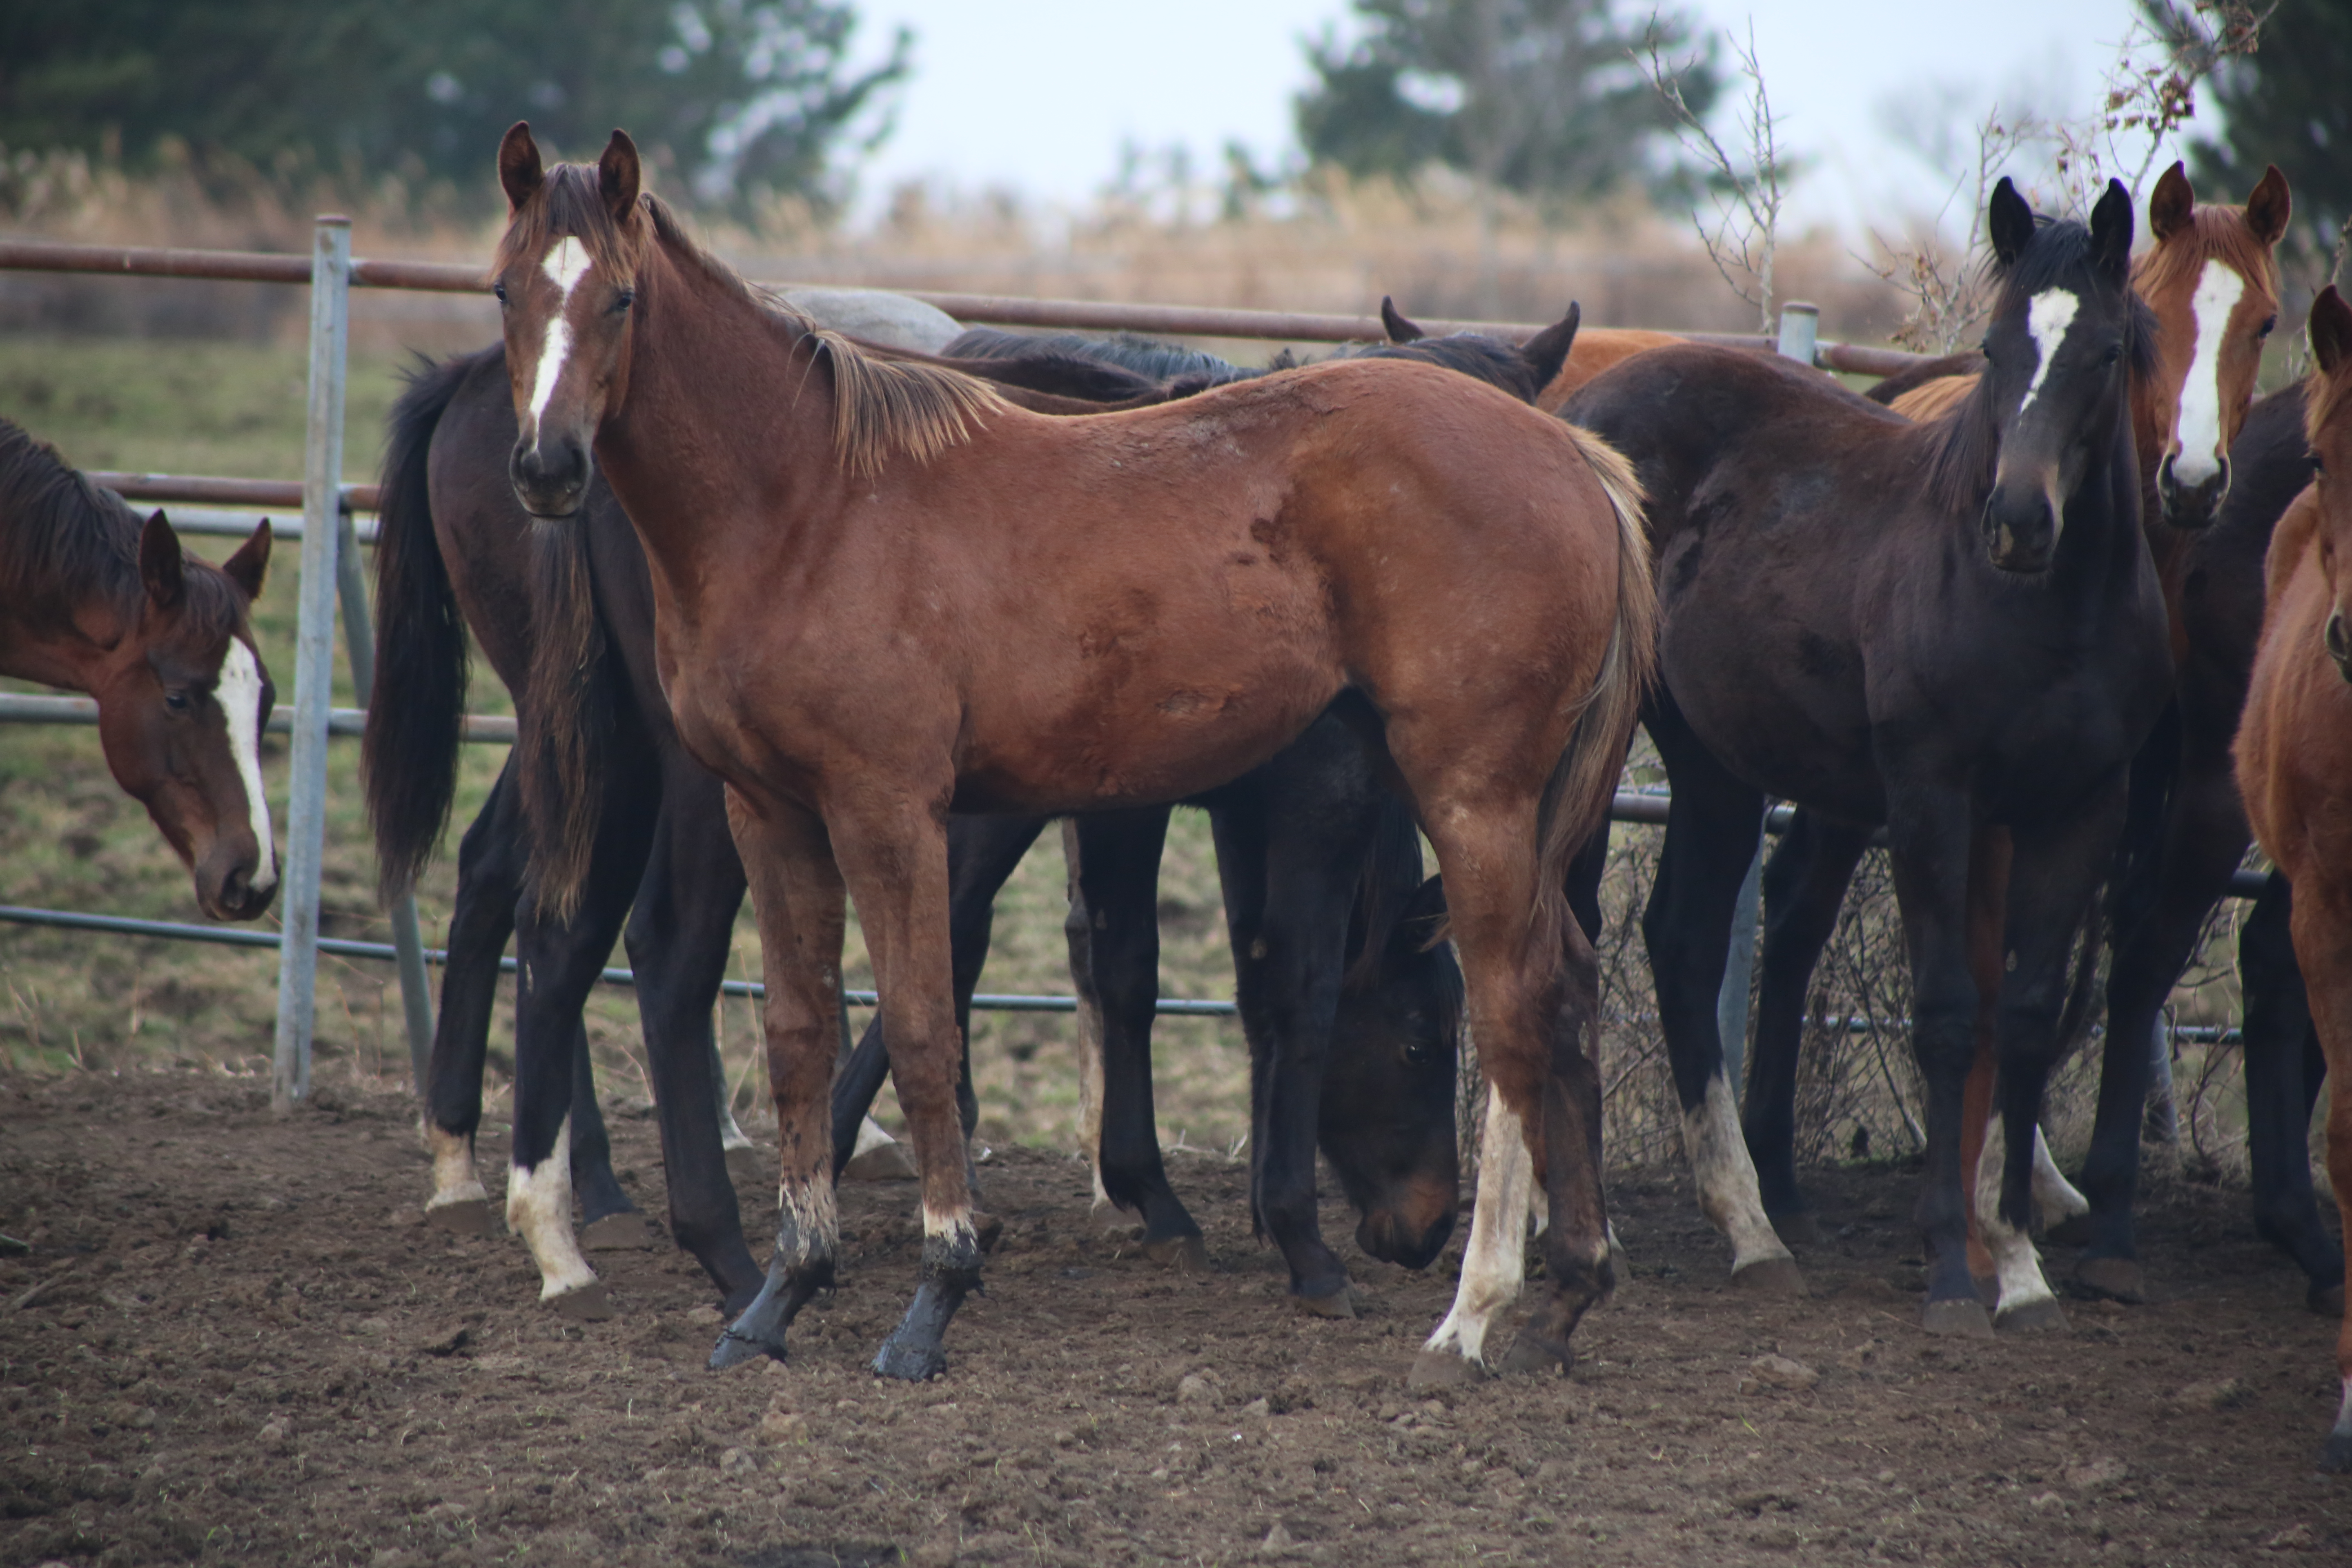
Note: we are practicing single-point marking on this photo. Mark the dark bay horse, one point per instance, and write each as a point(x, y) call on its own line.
point(2294, 755)
point(1060, 615)
point(1948, 628)
point(94, 601)
point(2212, 283)
point(573, 641)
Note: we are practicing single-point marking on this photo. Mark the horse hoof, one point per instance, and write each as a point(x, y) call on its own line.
point(588, 1304)
point(467, 1216)
point(2336, 1454)
point(909, 1363)
point(883, 1162)
point(1964, 1317)
point(1179, 1254)
point(986, 1229)
point(1339, 1303)
point(1798, 1227)
point(1442, 1369)
point(2111, 1280)
point(1529, 1356)
point(734, 1350)
point(627, 1231)
point(2328, 1300)
point(2045, 1316)
point(1769, 1277)
point(2074, 1230)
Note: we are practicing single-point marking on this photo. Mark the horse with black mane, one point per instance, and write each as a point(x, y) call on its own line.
point(94, 601)
point(1953, 629)
point(1064, 614)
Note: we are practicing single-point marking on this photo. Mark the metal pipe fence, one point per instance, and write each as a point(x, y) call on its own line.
point(329, 578)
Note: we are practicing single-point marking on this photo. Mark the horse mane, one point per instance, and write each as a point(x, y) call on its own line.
point(881, 408)
point(2214, 234)
point(65, 542)
point(1965, 447)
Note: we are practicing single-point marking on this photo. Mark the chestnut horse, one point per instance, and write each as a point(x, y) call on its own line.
point(1948, 628)
point(2294, 755)
point(892, 595)
point(2211, 280)
point(95, 601)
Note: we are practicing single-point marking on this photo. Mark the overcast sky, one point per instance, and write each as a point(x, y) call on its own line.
point(1039, 95)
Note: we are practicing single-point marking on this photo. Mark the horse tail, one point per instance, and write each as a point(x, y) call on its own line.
point(565, 717)
point(1583, 783)
point(408, 758)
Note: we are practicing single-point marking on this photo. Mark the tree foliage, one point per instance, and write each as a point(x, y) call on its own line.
point(1539, 97)
point(731, 96)
point(2288, 103)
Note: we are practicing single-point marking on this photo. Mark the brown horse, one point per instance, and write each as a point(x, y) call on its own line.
point(93, 601)
point(891, 595)
point(2294, 754)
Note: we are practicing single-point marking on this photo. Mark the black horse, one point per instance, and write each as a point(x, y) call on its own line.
point(1951, 629)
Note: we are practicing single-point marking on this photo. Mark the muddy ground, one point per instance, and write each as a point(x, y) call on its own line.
point(233, 1340)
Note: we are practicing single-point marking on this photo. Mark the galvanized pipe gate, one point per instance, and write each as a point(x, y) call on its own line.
point(330, 577)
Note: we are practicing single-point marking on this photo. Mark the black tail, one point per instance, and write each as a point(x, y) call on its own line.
point(408, 761)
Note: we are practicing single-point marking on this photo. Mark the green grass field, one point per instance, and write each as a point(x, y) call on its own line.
point(70, 839)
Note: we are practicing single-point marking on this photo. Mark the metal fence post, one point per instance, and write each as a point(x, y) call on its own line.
point(314, 659)
point(407, 941)
point(1800, 326)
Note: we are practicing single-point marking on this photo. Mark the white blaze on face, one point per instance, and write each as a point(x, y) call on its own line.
point(2047, 317)
point(238, 691)
point(567, 264)
point(2219, 289)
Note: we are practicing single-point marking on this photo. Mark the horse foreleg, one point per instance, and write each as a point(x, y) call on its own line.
point(1712, 827)
point(798, 898)
point(489, 881)
point(1118, 882)
point(1989, 855)
point(2322, 925)
point(2278, 1033)
point(1804, 884)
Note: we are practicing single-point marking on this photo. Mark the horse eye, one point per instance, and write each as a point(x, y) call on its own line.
point(2269, 324)
point(500, 290)
point(628, 297)
point(177, 701)
point(2114, 352)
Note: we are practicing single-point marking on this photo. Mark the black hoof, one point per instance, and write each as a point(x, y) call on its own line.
point(1444, 1369)
point(759, 1330)
point(1797, 1227)
point(1339, 1303)
point(734, 1350)
point(1531, 1355)
point(2336, 1454)
point(1962, 1318)
point(909, 1361)
point(2110, 1279)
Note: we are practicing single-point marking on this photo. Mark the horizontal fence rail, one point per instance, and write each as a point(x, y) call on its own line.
point(346, 723)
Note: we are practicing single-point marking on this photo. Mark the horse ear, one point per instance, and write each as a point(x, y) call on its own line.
point(1400, 329)
point(620, 176)
point(250, 567)
point(2010, 223)
point(2173, 204)
point(160, 565)
point(2271, 207)
point(520, 174)
point(2111, 233)
point(2331, 330)
point(1548, 350)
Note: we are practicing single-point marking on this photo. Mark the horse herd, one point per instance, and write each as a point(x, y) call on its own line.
point(821, 616)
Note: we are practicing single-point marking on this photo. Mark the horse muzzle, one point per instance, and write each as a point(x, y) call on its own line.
point(549, 477)
point(227, 893)
point(2187, 504)
point(1412, 1232)
point(2339, 643)
point(2021, 534)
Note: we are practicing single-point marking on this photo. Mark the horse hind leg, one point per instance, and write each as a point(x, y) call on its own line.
point(490, 881)
point(2024, 1301)
point(2057, 1202)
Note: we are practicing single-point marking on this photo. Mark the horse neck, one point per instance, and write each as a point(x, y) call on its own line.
point(723, 405)
point(2104, 541)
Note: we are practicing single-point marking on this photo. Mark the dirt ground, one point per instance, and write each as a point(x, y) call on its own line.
point(232, 1339)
